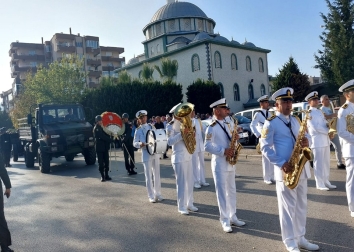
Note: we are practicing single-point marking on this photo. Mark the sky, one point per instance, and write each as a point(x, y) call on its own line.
point(287, 28)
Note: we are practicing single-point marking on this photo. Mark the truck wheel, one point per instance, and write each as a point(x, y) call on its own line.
point(70, 157)
point(43, 161)
point(15, 152)
point(90, 156)
point(29, 159)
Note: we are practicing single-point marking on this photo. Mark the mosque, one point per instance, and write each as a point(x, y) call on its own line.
point(182, 31)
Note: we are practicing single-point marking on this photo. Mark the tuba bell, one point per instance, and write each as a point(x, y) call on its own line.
point(182, 113)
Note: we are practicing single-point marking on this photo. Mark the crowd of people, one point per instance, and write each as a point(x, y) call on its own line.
point(279, 135)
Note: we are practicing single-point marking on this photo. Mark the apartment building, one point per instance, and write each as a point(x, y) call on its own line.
point(99, 61)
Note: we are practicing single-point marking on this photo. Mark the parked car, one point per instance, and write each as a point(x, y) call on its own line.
point(243, 134)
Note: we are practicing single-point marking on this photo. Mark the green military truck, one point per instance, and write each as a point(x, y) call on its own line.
point(56, 130)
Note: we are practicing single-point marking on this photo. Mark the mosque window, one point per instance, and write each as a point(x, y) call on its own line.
point(152, 52)
point(248, 64)
point(234, 62)
point(171, 25)
point(263, 91)
point(158, 48)
point(217, 57)
point(195, 63)
point(236, 92)
point(221, 89)
point(200, 25)
point(158, 29)
point(208, 27)
point(250, 92)
point(260, 65)
point(187, 24)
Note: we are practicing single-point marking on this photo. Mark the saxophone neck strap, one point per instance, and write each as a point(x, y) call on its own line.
point(223, 128)
point(289, 126)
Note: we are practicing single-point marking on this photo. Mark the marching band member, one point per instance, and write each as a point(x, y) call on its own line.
point(150, 162)
point(346, 133)
point(256, 126)
point(198, 155)
point(217, 142)
point(278, 137)
point(182, 165)
point(320, 144)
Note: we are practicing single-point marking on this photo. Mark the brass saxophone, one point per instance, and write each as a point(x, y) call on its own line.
point(182, 112)
point(299, 156)
point(234, 145)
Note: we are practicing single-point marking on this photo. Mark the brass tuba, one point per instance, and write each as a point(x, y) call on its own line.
point(182, 112)
point(299, 156)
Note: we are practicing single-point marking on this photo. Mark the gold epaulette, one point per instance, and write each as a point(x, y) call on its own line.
point(213, 123)
point(345, 105)
point(272, 117)
point(297, 118)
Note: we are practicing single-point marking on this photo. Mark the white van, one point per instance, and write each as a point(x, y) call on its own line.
point(249, 113)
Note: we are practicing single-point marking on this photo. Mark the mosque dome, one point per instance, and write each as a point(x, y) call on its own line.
point(221, 39)
point(234, 42)
point(201, 36)
point(177, 10)
point(133, 60)
point(248, 44)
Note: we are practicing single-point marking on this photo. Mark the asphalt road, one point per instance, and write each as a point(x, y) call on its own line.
point(71, 210)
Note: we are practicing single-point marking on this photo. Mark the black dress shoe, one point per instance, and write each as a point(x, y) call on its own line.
point(6, 250)
point(341, 166)
point(164, 157)
point(108, 178)
point(102, 179)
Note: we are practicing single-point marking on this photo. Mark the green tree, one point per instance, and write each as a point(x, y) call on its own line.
point(201, 91)
point(336, 59)
point(168, 70)
point(147, 72)
point(290, 76)
point(124, 77)
point(61, 82)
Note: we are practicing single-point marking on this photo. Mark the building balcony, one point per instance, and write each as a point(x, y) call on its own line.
point(66, 48)
point(95, 51)
point(16, 57)
point(16, 45)
point(95, 74)
point(112, 59)
point(112, 49)
point(18, 69)
point(93, 84)
point(108, 68)
point(17, 81)
point(94, 62)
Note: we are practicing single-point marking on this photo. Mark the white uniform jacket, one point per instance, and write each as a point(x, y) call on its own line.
point(258, 122)
point(277, 143)
point(140, 137)
point(317, 128)
point(346, 137)
point(174, 139)
point(216, 141)
point(199, 134)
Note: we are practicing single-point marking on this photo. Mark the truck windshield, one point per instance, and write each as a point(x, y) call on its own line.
point(63, 114)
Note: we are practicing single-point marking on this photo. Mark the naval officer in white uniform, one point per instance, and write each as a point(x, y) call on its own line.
point(182, 165)
point(256, 127)
point(320, 143)
point(217, 142)
point(279, 135)
point(346, 133)
point(198, 155)
point(151, 162)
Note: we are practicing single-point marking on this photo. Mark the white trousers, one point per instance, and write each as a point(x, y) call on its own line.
point(198, 167)
point(321, 165)
point(349, 185)
point(184, 184)
point(225, 187)
point(292, 205)
point(152, 169)
point(268, 169)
